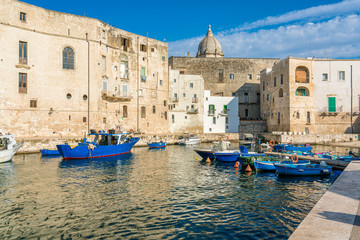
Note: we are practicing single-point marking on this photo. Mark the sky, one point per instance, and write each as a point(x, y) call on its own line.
point(247, 29)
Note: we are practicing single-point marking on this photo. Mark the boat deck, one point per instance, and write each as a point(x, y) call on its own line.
point(338, 164)
point(337, 213)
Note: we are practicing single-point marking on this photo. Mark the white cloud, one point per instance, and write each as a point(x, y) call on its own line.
point(335, 37)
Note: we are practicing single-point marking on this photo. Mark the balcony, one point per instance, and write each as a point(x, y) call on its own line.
point(115, 96)
point(23, 61)
point(195, 100)
point(211, 112)
point(224, 112)
point(175, 99)
point(124, 76)
point(192, 111)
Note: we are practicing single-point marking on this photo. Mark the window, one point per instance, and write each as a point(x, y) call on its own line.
point(125, 112)
point(324, 76)
point(22, 52)
point(84, 119)
point(163, 58)
point(221, 75)
point(281, 93)
point(263, 86)
point(249, 76)
point(165, 115)
point(267, 97)
point(33, 103)
point(140, 92)
point(143, 112)
point(211, 109)
point(172, 118)
point(105, 86)
point(332, 104)
point(174, 80)
point(297, 115)
point(104, 120)
point(115, 68)
point(278, 118)
point(195, 99)
point(225, 110)
point(233, 94)
point(274, 81)
point(258, 77)
point(22, 83)
point(125, 90)
point(246, 113)
point(182, 72)
point(227, 120)
point(143, 47)
point(341, 76)
point(214, 120)
point(308, 120)
point(154, 109)
point(68, 58)
point(161, 82)
point(231, 76)
point(85, 97)
point(143, 77)
point(184, 94)
point(175, 97)
point(124, 67)
point(103, 34)
point(191, 85)
point(22, 16)
point(281, 79)
point(258, 97)
point(301, 91)
point(164, 103)
point(246, 97)
point(104, 63)
point(68, 96)
point(125, 44)
point(152, 49)
point(302, 75)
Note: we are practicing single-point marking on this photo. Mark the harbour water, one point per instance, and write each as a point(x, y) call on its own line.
point(149, 194)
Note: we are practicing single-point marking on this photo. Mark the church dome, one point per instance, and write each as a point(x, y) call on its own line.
point(209, 46)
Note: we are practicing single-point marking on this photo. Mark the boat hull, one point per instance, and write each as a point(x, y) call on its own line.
point(226, 156)
point(157, 145)
point(205, 153)
point(47, 152)
point(269, 165)
point(7, 155)
point(84, 151)
point(302, 170)
point(291, 148)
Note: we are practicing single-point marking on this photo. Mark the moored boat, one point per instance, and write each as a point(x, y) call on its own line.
point(269, 165)
point(190, 140)
point(8, 146)
point(160, 144)
point(303, 170)
point(227, 155)
point(292, 148)
point(47, 152)
point(104, 145)
point(205, 153)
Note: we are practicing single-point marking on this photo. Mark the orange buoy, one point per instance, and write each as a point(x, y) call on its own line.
point(208, 160)
point(236, 165)
point(248, 168)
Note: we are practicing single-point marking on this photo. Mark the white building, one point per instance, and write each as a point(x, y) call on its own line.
point(220, 114)
point(185, 102)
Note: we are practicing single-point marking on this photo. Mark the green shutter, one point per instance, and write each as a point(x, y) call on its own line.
point(332, 104)
point(142, 71)
point(303, 92)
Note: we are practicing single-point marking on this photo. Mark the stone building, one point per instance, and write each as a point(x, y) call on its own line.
point(65, 73)
point(186, 94)
point(239, 77)
point(312, 95)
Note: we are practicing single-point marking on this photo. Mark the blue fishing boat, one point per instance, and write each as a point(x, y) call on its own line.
point(227, 155)
point(205, 153)
point(160, 144)
point(48, 152)
point(303, 170)
point(104, 145)
point(292, 148)
point(269, 165)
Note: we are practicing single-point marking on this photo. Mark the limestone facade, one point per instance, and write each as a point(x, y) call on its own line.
point(56, 66)
point(311, 96)
point(186, 94)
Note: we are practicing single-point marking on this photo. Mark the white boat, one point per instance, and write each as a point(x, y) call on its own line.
point(191, 140)
point(8, 146)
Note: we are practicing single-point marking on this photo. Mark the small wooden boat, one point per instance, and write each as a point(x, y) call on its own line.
point(227, 155)
point(189, 140)
point(160, 144)
point(8, 146)
point(104, 145)
point(269, 165)
point(303, 170)
point(47, 152)
point(205, 153)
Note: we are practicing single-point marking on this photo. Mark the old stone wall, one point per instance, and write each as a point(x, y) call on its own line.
point(96, 83)
point(252, 127)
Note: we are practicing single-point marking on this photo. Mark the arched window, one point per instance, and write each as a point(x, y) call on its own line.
point(302, 75)
point(281, 93)
point(124, 67)
point(143, 112)
point(302, 91)
point(68, 58)
point(125, 113)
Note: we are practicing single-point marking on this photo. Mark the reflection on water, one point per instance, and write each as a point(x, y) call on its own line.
point(165, 193)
